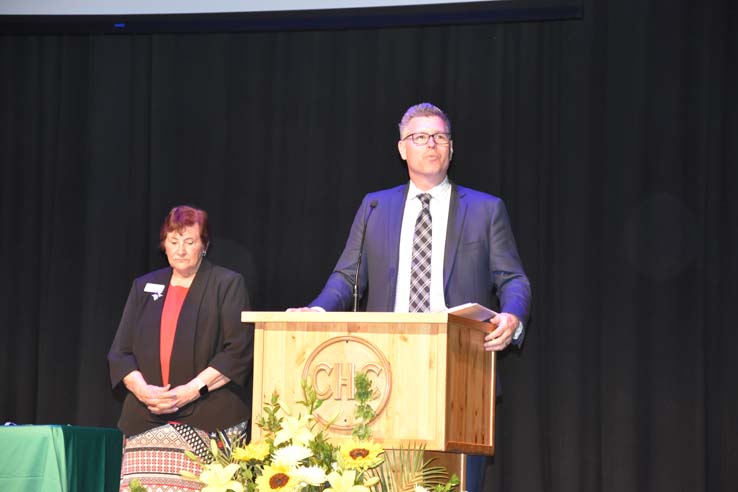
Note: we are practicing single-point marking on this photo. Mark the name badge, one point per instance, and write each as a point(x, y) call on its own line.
point(154, 289)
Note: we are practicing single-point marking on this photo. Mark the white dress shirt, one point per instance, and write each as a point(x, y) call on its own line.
point(439, 205)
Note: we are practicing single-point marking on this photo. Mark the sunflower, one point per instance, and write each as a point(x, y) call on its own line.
point(277, 477)
point(255, 451)
point(360, 455)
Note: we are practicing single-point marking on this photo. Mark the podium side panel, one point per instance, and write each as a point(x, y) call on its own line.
point(470, 406)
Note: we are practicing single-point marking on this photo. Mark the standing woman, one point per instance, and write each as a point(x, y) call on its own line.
point(182, 356)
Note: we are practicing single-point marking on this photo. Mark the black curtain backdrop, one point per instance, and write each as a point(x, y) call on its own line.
point(612, 139)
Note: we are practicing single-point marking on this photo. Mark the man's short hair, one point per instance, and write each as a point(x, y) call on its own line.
point(423, 109)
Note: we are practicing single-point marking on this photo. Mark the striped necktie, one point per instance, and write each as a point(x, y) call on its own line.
point(420, 269)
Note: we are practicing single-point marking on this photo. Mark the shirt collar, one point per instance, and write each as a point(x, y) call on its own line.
point(439, 191)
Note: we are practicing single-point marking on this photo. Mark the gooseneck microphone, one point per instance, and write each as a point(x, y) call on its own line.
point(372, 205)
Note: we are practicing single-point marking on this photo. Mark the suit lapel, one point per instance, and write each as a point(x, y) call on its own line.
point(183, 350)
point(150, 360)
point(394, 224)
point(394, 228)
point(456, 216)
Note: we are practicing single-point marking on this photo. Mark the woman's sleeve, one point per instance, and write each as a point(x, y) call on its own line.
point(235, 358)
point(120, 357)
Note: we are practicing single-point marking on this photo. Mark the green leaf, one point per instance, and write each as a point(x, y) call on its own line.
point(363, 412)
point(404, 468)
point(135, 486)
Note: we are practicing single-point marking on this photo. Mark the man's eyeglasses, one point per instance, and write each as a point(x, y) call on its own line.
point(422, 138)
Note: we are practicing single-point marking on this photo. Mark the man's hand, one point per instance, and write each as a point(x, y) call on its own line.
point(504, 325)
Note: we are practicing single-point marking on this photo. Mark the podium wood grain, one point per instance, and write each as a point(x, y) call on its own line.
point(441, 390)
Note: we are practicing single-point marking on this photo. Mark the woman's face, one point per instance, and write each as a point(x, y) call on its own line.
point(184, 250)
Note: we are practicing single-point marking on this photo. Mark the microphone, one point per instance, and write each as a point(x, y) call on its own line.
point(372, 205)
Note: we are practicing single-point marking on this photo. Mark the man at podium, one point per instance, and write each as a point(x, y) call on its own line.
point(430, 244)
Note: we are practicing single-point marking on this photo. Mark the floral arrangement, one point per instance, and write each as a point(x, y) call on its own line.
point(295, 455)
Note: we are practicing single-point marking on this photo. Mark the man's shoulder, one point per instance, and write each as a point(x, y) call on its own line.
point(463, 192)
point(387, 192)
point(476, 195)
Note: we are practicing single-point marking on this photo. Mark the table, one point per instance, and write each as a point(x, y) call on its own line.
point(59, 458)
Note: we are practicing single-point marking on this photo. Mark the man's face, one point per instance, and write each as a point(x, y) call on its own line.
point(427, 164)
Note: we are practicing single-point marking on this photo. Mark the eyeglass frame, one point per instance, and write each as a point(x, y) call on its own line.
point(429, 135)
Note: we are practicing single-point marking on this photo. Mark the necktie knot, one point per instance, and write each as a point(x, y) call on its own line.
point(425, 199)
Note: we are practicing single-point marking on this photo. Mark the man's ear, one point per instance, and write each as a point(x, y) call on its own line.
point(401, 149)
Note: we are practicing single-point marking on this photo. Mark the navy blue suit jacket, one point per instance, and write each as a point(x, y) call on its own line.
point(481, 262)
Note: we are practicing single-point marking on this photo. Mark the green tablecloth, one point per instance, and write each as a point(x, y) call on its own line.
point(56, 458)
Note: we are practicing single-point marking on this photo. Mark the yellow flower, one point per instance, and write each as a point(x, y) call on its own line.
point(359, 455)
point(255, 451)
point(277, 477)
point(344, 482)
point(218, 479)
point(294, 429)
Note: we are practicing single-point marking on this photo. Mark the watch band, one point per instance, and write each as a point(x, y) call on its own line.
point(203, 387)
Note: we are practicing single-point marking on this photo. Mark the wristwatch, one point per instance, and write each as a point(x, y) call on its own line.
point(203, 388)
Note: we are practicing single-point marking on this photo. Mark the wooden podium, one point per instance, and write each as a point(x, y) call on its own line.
point(434, 382)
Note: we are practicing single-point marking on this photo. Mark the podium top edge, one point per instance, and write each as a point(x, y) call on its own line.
point(342, 317)
point(351, 317)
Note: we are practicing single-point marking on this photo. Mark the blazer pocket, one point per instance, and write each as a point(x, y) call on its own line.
point(468, 246)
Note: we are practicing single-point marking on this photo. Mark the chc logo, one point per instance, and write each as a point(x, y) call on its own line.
point(331, 368)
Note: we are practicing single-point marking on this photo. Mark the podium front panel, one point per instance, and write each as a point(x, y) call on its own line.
point(430, 378)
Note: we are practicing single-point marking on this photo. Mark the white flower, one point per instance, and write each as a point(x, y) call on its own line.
point(310, 475)
point(420, 488)
point(294, 429)
point(291, 455)
point(344, 482)
point(219, 479)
